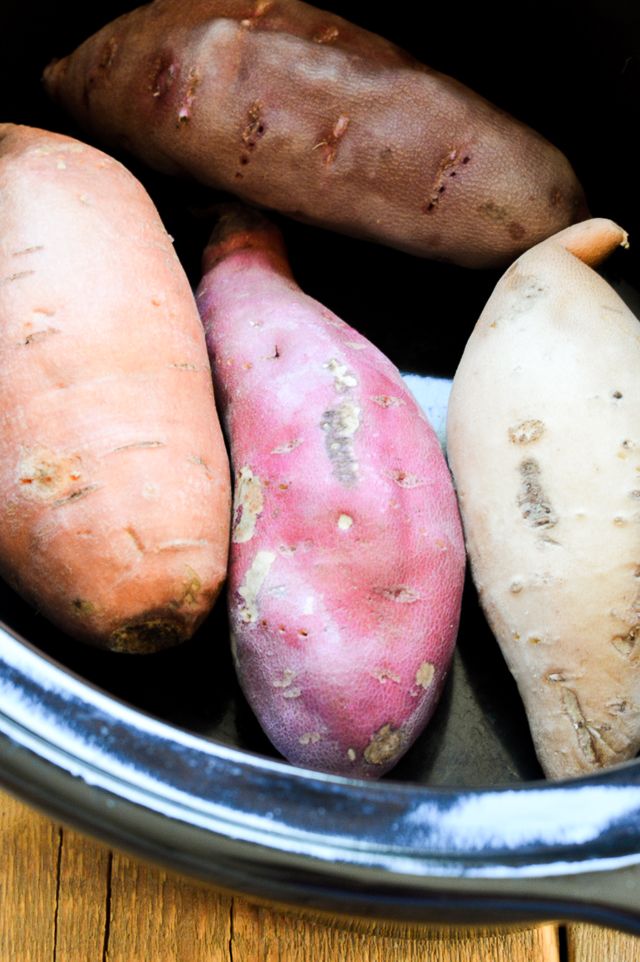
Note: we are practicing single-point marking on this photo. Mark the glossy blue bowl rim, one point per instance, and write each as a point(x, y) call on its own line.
point(266, 829)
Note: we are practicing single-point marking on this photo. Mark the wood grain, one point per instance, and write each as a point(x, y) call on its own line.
point(29, 852)
point(66, 898)
point(589, 943)
point(261, 935)
point(83, 888)
point(158, 916)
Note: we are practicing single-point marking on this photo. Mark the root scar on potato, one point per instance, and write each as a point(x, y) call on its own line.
point(526, 431)
point(404, 479)
point(401, 594)
point(138, 444)
point(28, 250)
point(38, 336)
point(535, 507)
point(339, 425)
point(16, 277)
point(387, 400)
point(181, 544)
point(76, 495)
point(626, 644)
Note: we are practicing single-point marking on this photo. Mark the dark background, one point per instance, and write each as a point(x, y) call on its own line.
point(571, 70)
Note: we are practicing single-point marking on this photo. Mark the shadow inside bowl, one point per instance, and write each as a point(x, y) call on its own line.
point(478, 735)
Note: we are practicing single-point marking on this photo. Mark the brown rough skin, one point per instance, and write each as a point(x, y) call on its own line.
point(114, 480)
point(295, 109)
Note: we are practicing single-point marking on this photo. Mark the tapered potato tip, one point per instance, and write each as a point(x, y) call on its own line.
point(240, 227)
point(591, 241)
point(52, 77)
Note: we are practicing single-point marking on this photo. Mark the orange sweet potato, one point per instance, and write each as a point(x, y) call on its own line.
point(295, 109)
point(114, 487)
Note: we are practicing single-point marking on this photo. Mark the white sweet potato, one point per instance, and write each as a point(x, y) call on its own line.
point(347, 558)
point(114, 480)
point(544, 445)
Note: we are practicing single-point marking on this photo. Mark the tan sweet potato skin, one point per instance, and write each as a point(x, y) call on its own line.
point(295, 109)
point(544, 445)
point(114, 480)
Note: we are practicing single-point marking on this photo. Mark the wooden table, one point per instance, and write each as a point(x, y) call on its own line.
point(67, 898)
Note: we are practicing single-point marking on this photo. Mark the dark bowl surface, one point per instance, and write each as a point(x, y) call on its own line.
point(161, 754)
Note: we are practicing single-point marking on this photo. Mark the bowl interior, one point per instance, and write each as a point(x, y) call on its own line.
point(576, 83)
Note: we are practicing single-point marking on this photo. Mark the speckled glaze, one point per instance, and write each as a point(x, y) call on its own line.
point(347, 560)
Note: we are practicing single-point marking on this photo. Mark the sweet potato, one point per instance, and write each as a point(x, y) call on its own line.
point(294, 108)
point(114, 486)
point(544, 444)
point(347, 558)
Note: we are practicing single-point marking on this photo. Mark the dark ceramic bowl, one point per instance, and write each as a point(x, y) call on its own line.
point(161, 755)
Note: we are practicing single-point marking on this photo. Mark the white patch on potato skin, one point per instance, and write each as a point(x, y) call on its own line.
point(285, 681)
point(44, 475)
point(351, 754)
point(383, 675)
point(308, 605)
point(341, 380)
point(345, 522)
point(310, 737)
point(425, 674)
point(287, 446)
point(252, 584)
point(248, 504)
point(385, 745)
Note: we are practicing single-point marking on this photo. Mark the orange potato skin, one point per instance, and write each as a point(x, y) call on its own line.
point(114, 480)
point(295, 109)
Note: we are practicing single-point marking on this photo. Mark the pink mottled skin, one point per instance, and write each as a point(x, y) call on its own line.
point(347, 556)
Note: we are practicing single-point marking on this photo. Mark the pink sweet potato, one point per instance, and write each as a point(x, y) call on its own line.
point(294, 108)
point(347, 557)
point(114, 486)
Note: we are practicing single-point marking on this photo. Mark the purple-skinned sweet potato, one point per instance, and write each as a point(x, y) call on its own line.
point(295, 109)
point(347, 558)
